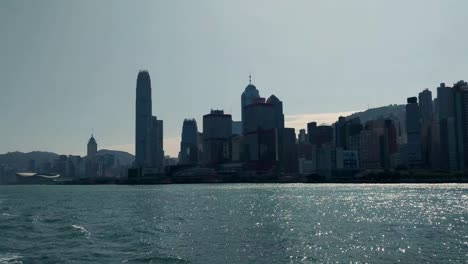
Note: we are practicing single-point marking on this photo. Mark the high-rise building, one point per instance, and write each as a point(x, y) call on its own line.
point(445, 101)
point(340, 132)
point(288, 156)
point(302, 137)
point(189, 145)
point(312, 132)
point(143, 117)
point(217, 132)
point(249, 95)
point(389, 145)
point(278, 111)
point(461, 120)
point(413, 130)
point(353, 128)
point(426, 107)
point(265, 139)
point(447, 126)
point(319, 135)
point(369, 151)
point(324, 135)
point(155, 152)
point(236, 127)
point(92, 147)
point(148, 129)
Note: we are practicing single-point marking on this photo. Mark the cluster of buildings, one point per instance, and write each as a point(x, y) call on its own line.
point(434, 135)
point(72, 167)
point(94, 165)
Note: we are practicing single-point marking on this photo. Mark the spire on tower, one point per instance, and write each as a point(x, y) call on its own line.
point(250, 78)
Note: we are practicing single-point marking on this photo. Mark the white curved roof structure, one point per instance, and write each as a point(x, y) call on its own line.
point(33, 174)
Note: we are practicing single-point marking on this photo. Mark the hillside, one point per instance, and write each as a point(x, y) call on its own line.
point(381, 112)
point(121, 157)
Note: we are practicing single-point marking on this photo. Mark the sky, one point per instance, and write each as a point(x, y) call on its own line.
point(69, 68)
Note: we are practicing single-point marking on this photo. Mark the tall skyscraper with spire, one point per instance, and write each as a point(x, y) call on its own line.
point(248, 97)
point(148, 130)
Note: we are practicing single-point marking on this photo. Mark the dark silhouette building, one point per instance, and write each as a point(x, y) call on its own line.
point(340, 132)
point(143, 117)
point(189, 144)
point(447, 127)
point(92, 147)
point(427, 113)
point(413, 130)
point(154, 150)
point(278, 111)
point(461, 122)
point(249, 95)
point(217, 132)
point(148, 130)
point(319, 135)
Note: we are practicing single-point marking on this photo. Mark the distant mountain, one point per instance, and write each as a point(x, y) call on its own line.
point(20, 160)
point(381, 112)
point(121, 157)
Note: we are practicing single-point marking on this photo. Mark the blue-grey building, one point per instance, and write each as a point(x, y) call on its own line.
point(217, 132)
point(148, 129)
point(189, 143)
point(413, 130)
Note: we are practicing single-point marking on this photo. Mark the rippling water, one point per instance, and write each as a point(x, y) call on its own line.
point(239, 223)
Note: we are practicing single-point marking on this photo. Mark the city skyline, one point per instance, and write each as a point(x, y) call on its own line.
point(77, 79)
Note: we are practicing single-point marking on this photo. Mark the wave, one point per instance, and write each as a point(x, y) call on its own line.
point(158, 259)
point(10, 259)
point(82, 230)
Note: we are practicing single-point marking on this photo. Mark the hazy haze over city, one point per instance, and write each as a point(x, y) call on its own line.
point(68, 68)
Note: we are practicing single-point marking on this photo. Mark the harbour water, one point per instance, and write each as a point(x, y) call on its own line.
point(234, 223)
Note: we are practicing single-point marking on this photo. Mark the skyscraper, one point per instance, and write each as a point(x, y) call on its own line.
point(91, 165)
point(302, 136)
point(249, 95)
point(259, 131)
point(448, 138)
point(92, 147)
point(413, 130)
point(143, 117)
point(426, 106)
point(427, 113)
point(312, 132)
point(188, 145)
point(154, 148)
point(340, 132)
point(148, 129)
point(217, 132)
point(278, 111)
point(461, 119)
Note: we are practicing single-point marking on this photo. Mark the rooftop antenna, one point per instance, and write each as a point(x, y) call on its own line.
point(250, 78)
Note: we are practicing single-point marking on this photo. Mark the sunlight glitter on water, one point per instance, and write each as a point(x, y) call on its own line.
point(238, 223)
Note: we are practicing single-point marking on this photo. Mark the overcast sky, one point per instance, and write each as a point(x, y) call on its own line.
point(69, 67)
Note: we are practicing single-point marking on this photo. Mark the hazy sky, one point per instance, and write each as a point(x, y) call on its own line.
point(68, 67)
